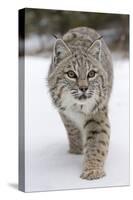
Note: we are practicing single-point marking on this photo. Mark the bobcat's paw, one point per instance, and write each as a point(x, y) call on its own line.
point(92, 174)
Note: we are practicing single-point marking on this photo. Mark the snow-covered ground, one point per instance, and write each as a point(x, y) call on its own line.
point(48, 164)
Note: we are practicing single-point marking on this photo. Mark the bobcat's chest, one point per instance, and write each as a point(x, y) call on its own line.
point(78, 118)
point(76, 112)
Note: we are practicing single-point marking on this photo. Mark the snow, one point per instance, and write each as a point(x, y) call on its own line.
point(49, 166)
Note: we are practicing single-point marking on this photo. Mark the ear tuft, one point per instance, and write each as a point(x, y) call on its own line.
point(60, 51)
point(95, 49)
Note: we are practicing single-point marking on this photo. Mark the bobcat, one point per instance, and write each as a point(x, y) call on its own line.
point(80, 82)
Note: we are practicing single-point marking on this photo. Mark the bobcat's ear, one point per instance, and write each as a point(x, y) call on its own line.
point(95, 49)
point(60, 51)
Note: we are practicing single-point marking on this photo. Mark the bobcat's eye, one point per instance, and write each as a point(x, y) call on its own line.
point(71, 74)
point(91, 74)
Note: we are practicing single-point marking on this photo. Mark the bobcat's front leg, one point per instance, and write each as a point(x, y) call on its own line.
point(74, 136)
point(96, 143)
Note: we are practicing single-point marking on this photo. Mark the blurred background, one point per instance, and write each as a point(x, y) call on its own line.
point(41, 24)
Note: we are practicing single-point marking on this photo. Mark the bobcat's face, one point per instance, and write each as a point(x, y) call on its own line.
point(80, 77)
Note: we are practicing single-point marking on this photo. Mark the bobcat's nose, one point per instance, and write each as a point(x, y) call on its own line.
point(83, 88)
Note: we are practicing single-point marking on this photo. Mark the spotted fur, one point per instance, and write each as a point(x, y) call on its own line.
point(80, 83)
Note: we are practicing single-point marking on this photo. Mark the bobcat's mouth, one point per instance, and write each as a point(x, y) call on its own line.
point(83, 97)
